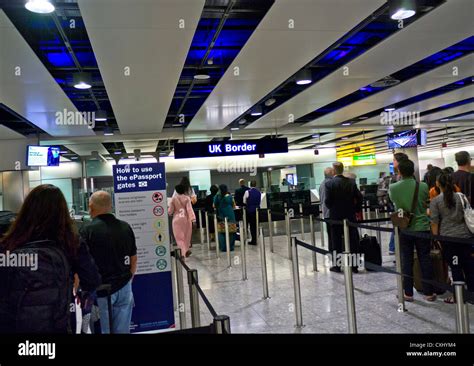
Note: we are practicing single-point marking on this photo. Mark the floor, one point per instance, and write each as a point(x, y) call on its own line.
point(322, 293)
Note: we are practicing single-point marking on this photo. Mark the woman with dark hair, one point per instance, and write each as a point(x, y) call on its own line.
point(183, 219)
point(37, 300)
point(447, 219)
point(224, 205)
point(209, 208)
point(434, 190)
point(188, 190)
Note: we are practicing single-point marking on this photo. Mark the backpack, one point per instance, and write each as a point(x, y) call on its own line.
point(468, 212)
point(38, 301)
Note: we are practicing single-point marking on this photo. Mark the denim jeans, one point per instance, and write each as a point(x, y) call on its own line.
point(122, 304)
point(423, 249)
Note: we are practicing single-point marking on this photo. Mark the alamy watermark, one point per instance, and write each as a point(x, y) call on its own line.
point(28, 260)
point(403, 118)
point(238, 166)
point(336, 259)
point(75, 118)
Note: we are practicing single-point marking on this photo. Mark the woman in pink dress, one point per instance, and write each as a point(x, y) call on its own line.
point(183, 218)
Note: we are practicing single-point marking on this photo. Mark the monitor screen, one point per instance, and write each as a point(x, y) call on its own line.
point(291, 179)
point(406, 139)
point(43, 155)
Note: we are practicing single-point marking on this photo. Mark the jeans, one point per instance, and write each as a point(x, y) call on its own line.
point(122, 304)
point(391, 245)
point(461, 262)
point(423, 249)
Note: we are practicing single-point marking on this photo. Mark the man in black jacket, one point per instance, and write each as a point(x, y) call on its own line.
point(239, 193)
point(344, 200)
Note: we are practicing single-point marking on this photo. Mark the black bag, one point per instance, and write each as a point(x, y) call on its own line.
point(6, 219)
point(371, 250)
point(38, 301)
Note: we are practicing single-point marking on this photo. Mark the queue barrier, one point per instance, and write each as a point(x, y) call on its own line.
point(221, 323)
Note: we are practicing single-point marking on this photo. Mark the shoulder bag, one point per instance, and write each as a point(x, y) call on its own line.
point(468, 212)
point(401, 218)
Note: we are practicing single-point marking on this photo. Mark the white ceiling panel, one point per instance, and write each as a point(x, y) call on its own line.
point(144, 146)
point(444, 26)
point(86, 149)
point(144, 36)
point(447, 113)
point(274, 52)
point(428, 81)
point(28, 88)
point(7, 134)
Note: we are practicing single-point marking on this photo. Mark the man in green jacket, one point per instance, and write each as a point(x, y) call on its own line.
point(402, 194)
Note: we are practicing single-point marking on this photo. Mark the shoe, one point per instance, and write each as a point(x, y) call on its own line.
point(335, 269)
point(407, 298)
point(252, 243)
point(188, 253)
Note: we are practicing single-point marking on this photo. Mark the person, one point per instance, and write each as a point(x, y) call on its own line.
point(252, 200)
point(284, 182)
point(239, 193)
point(328, 175)
point(209, 208)
point(183, 218)
point(463, 176)
point(37, 298)
point(397, 159)
point(435, 191)
point(112, 244)
point(188, 190)
point(402, 194)
point(426, 177)
point(431, 175)
point(447, 219)
point(344, 200)
point(224, 205)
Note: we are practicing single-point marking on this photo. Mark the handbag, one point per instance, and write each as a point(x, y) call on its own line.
point(232, 227)
point(468, 212)
point(401, 218)
point(440, 269)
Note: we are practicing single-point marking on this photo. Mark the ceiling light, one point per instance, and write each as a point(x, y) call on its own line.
point(234, 129)
point(74, 157)
point(118, 152)
point(303, 77)
point(63, 152)
point(390, 109)
point(444, 120)
point(315, 136)
point(40, 6)
point(108, 131)
point(101, 115)
point(202, 75)
point(270, 101)
point(243, 121)
point(82, 80)
point(344, 138)
point(346, 124)
point(257, 111)
point(363, 117)
point(402, 9)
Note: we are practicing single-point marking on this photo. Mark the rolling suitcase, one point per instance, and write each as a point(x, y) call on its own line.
point(370, 248)
point(440, 271)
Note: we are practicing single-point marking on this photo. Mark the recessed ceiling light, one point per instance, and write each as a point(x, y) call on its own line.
point(270, 101)
point(74, 157)
point(40, 6)
point(202, 75)
point(344, 138)
point(363, 117)
point(444, 119)
point(389, 109)
point(402, 9)
point(243, 121)
point(234, 129)
point(82, 80)
point(108, 131)
point(315, 136)
point(303, 77)
point(346, 123)
point(257, 111)
point(101, 115)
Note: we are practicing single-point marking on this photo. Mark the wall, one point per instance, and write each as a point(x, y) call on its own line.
point(371, 172)
point(12, 151)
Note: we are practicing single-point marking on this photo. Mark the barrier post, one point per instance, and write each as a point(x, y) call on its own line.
point(257, 225)
point(227, 242)
point(288, 233)
point(244, 217)
point(194, 298)
point(208, 233)
point(321, 227)
point(462, 314)
point(221, 324)
point(313, 243)
point(263, 260)
point(350, 301)
point(302, 221)
point(243, 251)
point(270, 229)
point(379, 236)
point(398, 265)
point(296, 285)
point(216, 234)
point(367, 216)
point(180, 287)
point(347, 239)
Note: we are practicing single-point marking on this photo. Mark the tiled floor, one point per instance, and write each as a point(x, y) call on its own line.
point(322, 293)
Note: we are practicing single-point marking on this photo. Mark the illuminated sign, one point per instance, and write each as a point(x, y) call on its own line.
point(230, 148)
point(368, 159)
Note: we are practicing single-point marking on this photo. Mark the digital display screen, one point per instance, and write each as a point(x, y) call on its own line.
point(230, 148)
point(42, 155)
point(406, 139)
point(292, 179)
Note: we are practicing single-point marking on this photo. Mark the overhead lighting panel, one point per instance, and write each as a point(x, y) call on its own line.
point(40, 6)
point(304, 77)
point(82, 80)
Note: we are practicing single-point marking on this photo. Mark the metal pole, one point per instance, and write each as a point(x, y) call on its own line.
point(322, 226)
point(263, 260)
point(243, 251)
point(302, 221)
point(379, 236)
point(462, 315)
point(270, 229)
point(350, 301)
point(257, 220)
point(398, 265)
point(244, 217)
point(296, 286)
point(313, 243)
point(347, 239)
point(221, 324)
point(208, 233)
point(227, 242)
point(180, 286)
point(368, 215)
point(288, 233)
point(201, 232)
point(194, 298)
point(216, 235)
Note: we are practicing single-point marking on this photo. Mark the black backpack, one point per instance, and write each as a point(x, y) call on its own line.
point(38, 301)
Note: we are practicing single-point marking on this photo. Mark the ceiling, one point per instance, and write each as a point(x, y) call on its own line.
point(143, 56)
